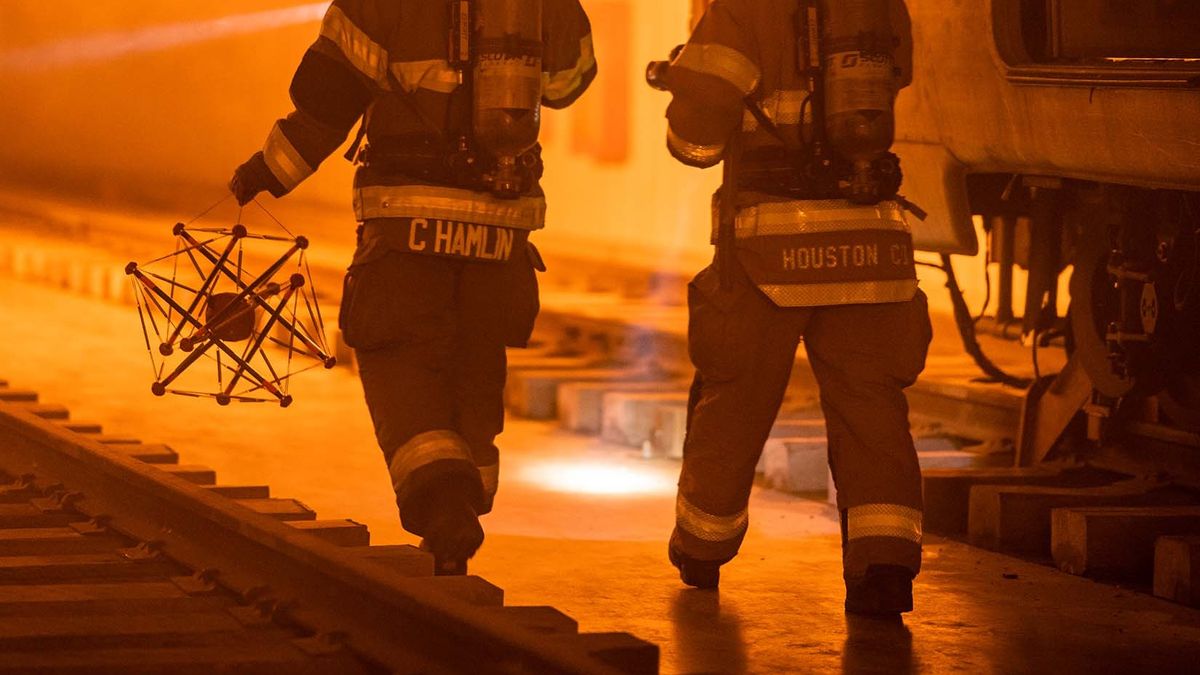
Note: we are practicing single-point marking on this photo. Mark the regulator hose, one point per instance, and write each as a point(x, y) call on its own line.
point(966, 329)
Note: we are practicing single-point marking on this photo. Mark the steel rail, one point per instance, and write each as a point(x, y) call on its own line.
point(398, 622)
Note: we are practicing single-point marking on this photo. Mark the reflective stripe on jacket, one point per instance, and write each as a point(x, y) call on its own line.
point(388, 61)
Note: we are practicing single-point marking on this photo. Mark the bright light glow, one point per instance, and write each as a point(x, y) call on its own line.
point(597, 478)
point(108, 46)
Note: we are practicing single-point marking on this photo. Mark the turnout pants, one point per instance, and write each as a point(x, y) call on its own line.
point(429, 333)
point(863, 357)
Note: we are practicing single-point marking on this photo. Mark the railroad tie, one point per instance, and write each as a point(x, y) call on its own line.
point(82, 427)
point(17, 395)
point(1017, 518)
point(948, 491)
point(1177, 569)
point(1118, 543)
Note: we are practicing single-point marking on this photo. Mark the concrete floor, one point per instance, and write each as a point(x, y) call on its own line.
point(581, 526)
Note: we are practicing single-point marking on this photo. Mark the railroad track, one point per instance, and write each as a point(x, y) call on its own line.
point(116, 558)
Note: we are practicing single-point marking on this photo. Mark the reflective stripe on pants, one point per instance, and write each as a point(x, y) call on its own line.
point(424, 450)
point(490, 476)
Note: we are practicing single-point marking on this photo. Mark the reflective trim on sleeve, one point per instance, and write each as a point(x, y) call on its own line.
point(434, 202)
point(490, 475)
point(783, 107)
point(435, 75)
point(813, 216)
point(564, 83)
point(284, 161)
point(852, 293)
point(705, 155)
point(423, 450)
point(707, 527)
point(720, 61)
point(884, 520)
point(368, 56)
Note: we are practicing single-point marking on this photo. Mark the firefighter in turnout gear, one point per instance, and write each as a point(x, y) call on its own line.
point(446, 194)
point(806, 253)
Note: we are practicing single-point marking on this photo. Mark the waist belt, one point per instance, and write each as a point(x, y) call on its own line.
point(773, 171)
point(429, 163)
point(434, 202)
point(828, 252)
point(426, 165)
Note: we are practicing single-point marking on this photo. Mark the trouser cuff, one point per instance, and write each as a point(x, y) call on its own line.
point(490, 477)
point(437, 462)
point(881, 534)
point(709, 537)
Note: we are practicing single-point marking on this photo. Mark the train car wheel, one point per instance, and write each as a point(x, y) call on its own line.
point(1093, 303)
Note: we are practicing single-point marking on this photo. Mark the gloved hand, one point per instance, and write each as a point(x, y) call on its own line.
point(252, 178)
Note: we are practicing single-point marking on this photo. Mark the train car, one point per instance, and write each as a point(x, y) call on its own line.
point(1071, 126)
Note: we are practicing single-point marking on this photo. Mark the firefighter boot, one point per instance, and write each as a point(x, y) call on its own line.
point(702, 574)
point(886, 590)
point(453, 534)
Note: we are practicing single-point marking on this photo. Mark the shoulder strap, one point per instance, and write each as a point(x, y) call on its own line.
point(353, 151)
point(808, 64)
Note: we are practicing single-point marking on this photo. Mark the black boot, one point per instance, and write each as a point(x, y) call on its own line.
point(703, 574)
point(452, 534)
point(444, 566)
point(885, 591)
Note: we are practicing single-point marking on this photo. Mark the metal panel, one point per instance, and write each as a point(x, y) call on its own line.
point(937, 182)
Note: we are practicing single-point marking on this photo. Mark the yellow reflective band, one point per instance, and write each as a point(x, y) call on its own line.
point(813, 216)
point(368, 56)
point(884, 520)
point(435, 75)
point(490, 475)
point(694, 152)
point(708, 527)
point(720, 61)
point(284, 161)
point(852, 293)
point(564, 83)
point(443, 203)
point(783, 108)
point(423, 450)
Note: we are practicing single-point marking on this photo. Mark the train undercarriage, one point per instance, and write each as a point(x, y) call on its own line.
point(1132, 330)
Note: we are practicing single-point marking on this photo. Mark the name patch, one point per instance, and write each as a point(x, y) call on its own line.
point(457, 239)
point(829, 257)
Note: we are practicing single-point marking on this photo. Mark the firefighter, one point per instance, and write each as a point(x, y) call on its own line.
point(443, 278)
point(803, 262)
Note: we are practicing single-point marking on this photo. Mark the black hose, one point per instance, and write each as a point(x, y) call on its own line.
point(966, 328)
point(987, 280)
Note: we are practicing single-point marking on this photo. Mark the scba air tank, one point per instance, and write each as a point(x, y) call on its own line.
point(508, 88)
point(859, 46)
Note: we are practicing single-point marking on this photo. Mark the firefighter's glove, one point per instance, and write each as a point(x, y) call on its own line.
point(252, 178)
